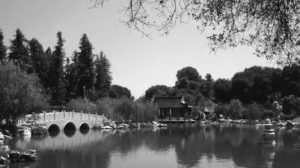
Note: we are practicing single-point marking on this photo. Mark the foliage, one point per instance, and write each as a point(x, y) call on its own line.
point(235, 109)
point(103, 75)
point(253, 111)
point(20, 92)
point(85, 66)
point(2, 47)
point(83, 105)
point(256, 84)
point(40, 63)
point(222, 90)
point(144, 111)
point(221, 110)
point(57, 73)
point(157, 90)
point(291, 105)
point(291, 80)
point(19, 52)
point(272, 27)
point(190, 73)
point(117, 91)
point(124, 107)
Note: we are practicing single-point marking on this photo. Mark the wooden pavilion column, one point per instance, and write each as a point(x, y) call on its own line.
point(158, 114)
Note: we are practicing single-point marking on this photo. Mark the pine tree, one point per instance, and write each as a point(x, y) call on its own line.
point(38, 59)
point(103, 77)
point(72, 76)
point(47, 81)
point(57, 72)
point(2, 47)
point(19, 52)
point(85, 66)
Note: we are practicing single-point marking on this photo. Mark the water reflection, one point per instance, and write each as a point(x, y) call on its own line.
point(176, 146)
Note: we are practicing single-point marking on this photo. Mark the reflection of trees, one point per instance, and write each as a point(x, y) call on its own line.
point(239, 144)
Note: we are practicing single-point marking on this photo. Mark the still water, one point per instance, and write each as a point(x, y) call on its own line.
point(178, 146)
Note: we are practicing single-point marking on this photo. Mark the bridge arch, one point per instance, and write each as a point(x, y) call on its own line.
point(69, 129)
point(84, 126)
point(69, 126)
point(53, 127)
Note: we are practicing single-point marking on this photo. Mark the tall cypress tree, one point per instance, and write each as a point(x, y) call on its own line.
point(57, 72)
point(85, 66)
point(38, 58)
point(103, 75)
point(2, 47)
point(19, 52)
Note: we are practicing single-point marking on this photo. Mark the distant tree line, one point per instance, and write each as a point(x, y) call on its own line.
point(35, 79)
point(254, 88)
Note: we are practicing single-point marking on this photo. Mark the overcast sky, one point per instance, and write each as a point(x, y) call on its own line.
point(137, 62)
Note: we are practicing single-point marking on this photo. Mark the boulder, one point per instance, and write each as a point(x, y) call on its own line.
point(38, 130)
point(3, 160)
point(16, 156)
point(290, 124)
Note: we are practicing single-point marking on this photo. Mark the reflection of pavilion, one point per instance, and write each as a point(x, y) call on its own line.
point(172, 109)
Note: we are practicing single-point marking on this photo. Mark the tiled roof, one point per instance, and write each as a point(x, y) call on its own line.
point(169, 102)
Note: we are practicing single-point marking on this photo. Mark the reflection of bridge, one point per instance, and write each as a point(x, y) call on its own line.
point(60, 120)
point(63, 141)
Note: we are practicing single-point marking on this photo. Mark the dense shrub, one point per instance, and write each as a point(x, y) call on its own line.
point(144, 111)
point(83, 105)
point(253, 112)
point(235, 109)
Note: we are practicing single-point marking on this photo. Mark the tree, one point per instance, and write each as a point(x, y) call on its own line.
point(19, 52)
point(188, 72)
point(21, 93)
point(291, 105)
point(124, 108)
point(103, 75)
point(85, 66)
point(72, 76)
point(2, 47)
point(235, 109)
point(272, 27)
point(291, 80)
point(157, 90)
point(57, 72)
point(207, 86)
point(222, 90)
point(117, 91)
point(256, 84)
point(47, 79)
point(39, 60)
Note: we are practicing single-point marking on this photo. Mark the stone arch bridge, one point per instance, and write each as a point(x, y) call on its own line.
point(60, 120)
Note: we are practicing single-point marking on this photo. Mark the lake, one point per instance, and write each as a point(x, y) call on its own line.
point(178, 146)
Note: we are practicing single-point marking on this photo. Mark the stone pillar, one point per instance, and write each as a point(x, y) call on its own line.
point(170, 114)
point(158, 114)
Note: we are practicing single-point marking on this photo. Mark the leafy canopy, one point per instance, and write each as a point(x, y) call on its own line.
point(270, 26)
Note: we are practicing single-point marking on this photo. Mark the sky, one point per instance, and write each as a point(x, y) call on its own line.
point(137, 62)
